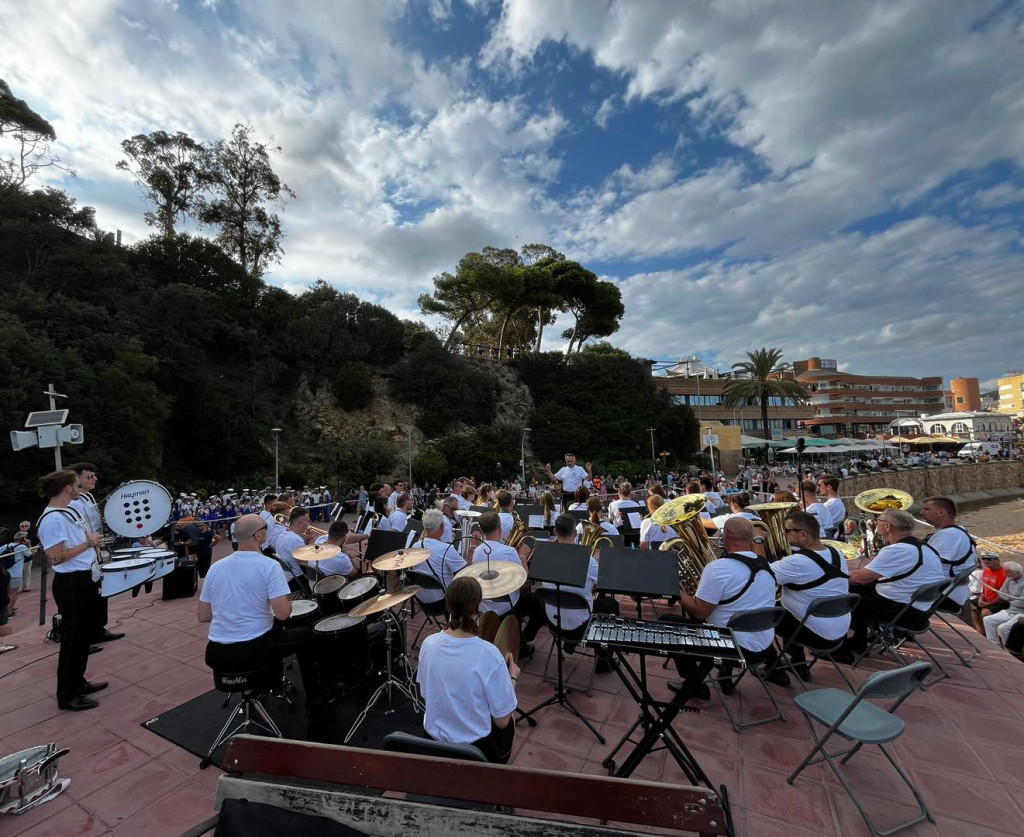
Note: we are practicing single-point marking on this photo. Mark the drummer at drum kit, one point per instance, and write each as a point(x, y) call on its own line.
point(341, 564)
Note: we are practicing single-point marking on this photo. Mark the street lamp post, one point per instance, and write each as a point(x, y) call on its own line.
point(654, 456)
point(522, 454)
point(277, 457)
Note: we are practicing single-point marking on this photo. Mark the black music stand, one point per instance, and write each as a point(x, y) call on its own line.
point(638, 573)
point(561, 564)
point(383, 541)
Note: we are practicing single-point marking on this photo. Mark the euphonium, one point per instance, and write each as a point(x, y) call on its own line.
point(692, 543)
point(519, 531)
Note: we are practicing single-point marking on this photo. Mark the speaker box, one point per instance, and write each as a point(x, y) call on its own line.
point(181, 583)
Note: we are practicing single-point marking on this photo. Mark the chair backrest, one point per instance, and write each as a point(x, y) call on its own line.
point(962, 577)
point(896, 683)
point(930, 593)
point(422, 579)
point(403, 742)
point(832, 607)
point(563, 599)
point(761, 619)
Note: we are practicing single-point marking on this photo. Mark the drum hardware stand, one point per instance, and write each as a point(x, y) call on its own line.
point(406, 686)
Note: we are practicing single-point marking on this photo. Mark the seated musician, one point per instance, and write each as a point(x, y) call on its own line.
point(547, 504)
point(399, 518)
point(341, 564)
point(595, 510)
point(526, 606)
point(381, 514)
point(809, 497)
point(955, 546)
point(617, 509)
point(887, 583)
point(506, 505)
point(294, 537)
point(813, 571)
point(737, 582)
point(651, 534)
point(579, 499)
point(468, 688)
point(278, 509)
point(448, 509)
point(737, 504)
point(444, 560)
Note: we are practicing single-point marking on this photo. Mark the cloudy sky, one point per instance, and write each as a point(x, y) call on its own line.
point(839, 179)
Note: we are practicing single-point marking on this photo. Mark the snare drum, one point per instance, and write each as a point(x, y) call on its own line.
point(326, 593)
point(342, 652)
point(118, 576)
point(360, 589)
point(29, 778)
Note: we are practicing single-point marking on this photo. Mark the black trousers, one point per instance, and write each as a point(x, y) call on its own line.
point(874, 609)
point(785, 630)
point(100, 616)
point(1015, 640)
point(203, 560)
point(76, 596)
point(687, 665)
point(530, 609)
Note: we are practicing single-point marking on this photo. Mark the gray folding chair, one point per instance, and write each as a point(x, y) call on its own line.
point(828, 607)
point(890, 642)
point(762, 619)
point(960, 578)
point(431, 610)
point(852, 718)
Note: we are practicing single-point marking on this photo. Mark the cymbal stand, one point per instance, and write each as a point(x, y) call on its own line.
point(405, 686)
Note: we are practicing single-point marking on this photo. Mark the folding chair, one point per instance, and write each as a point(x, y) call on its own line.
point(960, 578)
point(431, 610)
point(888, 642)
point(762, 619)
point(569, 601)
point(829, 607)
point(853, 719)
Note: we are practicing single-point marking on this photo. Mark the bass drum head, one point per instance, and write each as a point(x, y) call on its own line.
point(137, 509)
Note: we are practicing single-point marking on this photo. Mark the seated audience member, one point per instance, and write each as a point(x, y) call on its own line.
point(993, 577)
point(469, 690)
point(997, 625)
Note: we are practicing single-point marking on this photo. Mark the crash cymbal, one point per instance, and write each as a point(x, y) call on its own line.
point(497, 578)
point(384, 601)
point(400, 559)
point(507, 638)
point(680, 509)
point(316, 552)
point(487, 627)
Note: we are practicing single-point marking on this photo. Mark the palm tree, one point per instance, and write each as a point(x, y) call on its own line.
point(762, 379)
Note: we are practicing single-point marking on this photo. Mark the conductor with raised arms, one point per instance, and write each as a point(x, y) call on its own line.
point(571, 476)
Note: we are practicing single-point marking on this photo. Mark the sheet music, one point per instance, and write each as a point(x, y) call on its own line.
point(634, 519)
point(536, 521)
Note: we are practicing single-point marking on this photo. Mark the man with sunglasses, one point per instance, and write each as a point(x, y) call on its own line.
point(813, 571)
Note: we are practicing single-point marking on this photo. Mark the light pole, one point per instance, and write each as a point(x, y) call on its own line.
point(277, 457)
point(522, 454)
point(654, 456)
point(711, 448)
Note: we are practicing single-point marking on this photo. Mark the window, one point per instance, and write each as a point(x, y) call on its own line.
point(937, 429)
point(959, 400)
point(960, 427)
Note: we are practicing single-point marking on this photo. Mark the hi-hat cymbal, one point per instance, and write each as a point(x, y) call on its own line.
point(400, 559)
point(497, 578)
point(680, 509)
point(384, 601)
point(316, 552)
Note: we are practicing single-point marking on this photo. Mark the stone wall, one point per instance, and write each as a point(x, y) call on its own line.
point(957, 480)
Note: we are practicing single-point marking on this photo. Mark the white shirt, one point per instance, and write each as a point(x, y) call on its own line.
point(571, 478)
point(615, 508)
point(897, 558)
point(239, 588)
point(572, 619)
point(952, 544)
point(60, 526)
point(725, 577)
point(606, 527)
point(837, 508)
point(464, 503)
point(399, 520)
point(449, 534)
point(85, 507)
point(494, 551)
point(274, 531)
point(714, 501)
point(393, 500)
point(340, 564)
point(822, 515)
point(508, 522)
point(721, 519)
point(651, 532)
point(799, 569)
point(465, 684)
point(443, 563)
point(286, 545)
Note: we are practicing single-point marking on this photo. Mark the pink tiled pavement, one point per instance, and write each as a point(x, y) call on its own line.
point(962, 746)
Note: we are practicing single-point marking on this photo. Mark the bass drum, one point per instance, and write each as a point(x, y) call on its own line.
point(341, 647)
point(137, 509)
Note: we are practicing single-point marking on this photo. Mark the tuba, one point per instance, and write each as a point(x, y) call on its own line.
point(773, 515)
point(877, 500)
point(692, 542)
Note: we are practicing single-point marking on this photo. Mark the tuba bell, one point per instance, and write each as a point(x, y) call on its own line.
point(877, 500)
point(692, 542)
point(773, 515)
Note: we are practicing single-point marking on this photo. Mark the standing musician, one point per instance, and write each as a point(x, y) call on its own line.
point(737, 582)
point(954, 544)
point(526, 606)
point(85, 505)
point(828, 485)
point(72, 550)
point(617, 509)
point(571, 476)
point(444, 560)
point(889, 581)
point(813, 571)
point(468, 688)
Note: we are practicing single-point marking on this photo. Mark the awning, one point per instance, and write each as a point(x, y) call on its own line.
point(756, 442)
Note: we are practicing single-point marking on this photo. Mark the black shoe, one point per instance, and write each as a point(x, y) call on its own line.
point(725, 681)
point(844, 657)
point(779, 678)
point(526, 652)
point(95, 649)
point(803, 671)
point(79, 704)
point(91, 687)
point(702, 692)
point(108, 636)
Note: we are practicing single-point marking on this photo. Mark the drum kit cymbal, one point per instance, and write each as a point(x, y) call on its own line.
point(497, 578)
point(385, 601)
point(316, 552)
point(400, 559)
